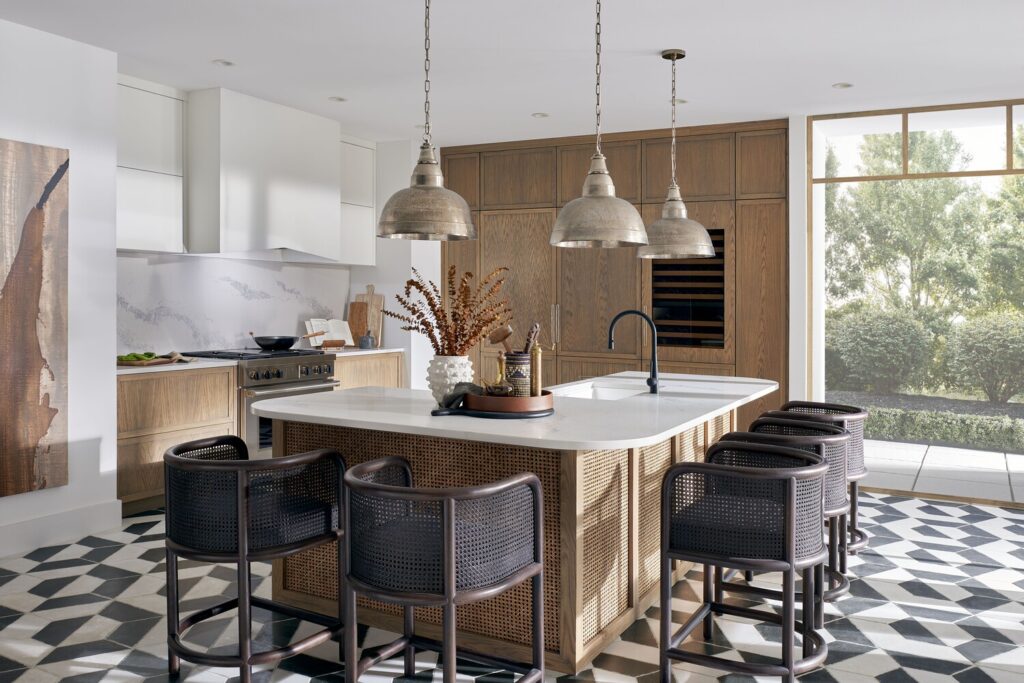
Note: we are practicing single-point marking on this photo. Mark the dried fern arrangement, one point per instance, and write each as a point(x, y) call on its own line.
point(471, 314)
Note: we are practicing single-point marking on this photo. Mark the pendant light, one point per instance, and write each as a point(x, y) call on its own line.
point(598, 218)
point(426, 210)
point(674, 236)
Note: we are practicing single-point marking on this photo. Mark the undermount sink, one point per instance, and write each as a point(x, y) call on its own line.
point(600, 391)
point(617, 388)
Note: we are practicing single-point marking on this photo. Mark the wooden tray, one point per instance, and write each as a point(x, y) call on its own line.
point(144, 363)
point(494, 415)
point(509, 404)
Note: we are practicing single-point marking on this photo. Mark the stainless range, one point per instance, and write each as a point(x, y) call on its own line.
point(269, 374)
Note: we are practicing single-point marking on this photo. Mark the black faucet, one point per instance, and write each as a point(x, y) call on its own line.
point(652, 381)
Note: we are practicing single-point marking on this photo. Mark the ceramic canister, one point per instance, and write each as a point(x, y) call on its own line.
point(517, 372)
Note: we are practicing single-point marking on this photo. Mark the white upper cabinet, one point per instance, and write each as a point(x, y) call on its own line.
point(262, 178)
point(150, 161)
point(358, 199)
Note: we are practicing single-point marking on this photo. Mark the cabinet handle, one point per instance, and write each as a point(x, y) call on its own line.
point(558, 323)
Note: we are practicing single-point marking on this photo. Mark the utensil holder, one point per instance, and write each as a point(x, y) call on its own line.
point(517, 372)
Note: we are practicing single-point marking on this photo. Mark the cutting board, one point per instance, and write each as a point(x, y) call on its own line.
point(357, 319)
point(375, 311)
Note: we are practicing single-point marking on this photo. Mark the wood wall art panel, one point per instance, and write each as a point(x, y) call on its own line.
point(705, 167)
point(761, 162)
point(462, 175)
point(33, 317)
point(761, 273)
point(623, 159)
point(519, 178)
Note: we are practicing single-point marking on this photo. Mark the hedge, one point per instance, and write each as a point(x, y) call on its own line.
point(984, 432)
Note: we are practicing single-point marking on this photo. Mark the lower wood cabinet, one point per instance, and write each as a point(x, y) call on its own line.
point(156, 410)
point(716, 369)
point(370, 370)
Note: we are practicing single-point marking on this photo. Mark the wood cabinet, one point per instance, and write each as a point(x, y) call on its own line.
point(156, 410)
point(370, 370)
point(517, 178)
point(761, 168)
point(761, 298)
point(623, 159)
point(462, 175)
point(705, 167)
point(571, 369)
point(697, 368)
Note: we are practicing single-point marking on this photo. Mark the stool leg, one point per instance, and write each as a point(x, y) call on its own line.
point(809, 612)
point(408, 628)
point(173, 661)
point(854, 494)
point(448, 643)
point(244, 621)
point(843, 521)
point(341, 600)
point(819, 596)
point(788, 619)
point(351, 636)
point(708, 599)
point(666, 618)
point(833, 548)
point(718, 588)
point(538, 622)
point(748, 576)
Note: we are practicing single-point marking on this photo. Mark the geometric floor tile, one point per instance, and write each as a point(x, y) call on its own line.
point(937, 596)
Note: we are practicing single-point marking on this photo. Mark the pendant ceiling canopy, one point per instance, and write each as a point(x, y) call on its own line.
point(674, 235)
point(598, 218)
point(426, 210)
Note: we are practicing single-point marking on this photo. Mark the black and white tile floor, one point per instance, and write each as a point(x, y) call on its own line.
point(939, 596)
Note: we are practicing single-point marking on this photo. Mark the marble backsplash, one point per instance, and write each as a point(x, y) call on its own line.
point(188, 303)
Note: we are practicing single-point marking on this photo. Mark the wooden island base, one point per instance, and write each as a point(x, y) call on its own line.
point(601, 526)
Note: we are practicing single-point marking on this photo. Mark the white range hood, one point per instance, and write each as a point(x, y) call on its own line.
point(264, 180)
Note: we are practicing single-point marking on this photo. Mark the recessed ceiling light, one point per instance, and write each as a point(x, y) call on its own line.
point(337, 98)
point(223, 62)
point(842, 86)
point(680, 100)
point(540, 114)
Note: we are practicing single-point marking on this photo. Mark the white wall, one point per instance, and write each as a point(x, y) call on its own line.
point(167, 302)
point(397, 258)
point(61, 93)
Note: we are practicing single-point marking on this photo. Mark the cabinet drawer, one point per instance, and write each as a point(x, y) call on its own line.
point(140, 459)
point(175, 400)
point(383, 370)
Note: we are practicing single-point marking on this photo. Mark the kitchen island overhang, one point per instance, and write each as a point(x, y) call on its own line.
point(600, 459)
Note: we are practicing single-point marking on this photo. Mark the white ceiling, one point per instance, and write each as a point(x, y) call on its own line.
point(494, 62)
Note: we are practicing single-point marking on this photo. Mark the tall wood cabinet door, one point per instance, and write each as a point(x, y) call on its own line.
point(465, 256)
point(761, 171)
point(572, 369)
point(705, 167)
point(594, 285)
point(761, 299)
point(518, 178)
point(462, 175)
point(623, 159)
point(518, 240)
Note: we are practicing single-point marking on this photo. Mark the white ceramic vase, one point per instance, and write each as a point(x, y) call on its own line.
point(444, 372)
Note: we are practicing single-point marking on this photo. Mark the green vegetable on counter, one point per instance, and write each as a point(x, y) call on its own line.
point(145, 355)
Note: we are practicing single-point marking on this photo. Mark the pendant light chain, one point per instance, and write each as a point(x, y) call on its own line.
point(673, 121)
point(426, 73)
point(597, 73)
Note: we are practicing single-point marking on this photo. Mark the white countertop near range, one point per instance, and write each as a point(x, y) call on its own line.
point(195, 364)
point(606, 413)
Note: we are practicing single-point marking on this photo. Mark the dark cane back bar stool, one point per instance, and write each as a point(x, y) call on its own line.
point(416, 547)
point(752, 507)
point(852, 419)
point(223, 507)
point(829, 441)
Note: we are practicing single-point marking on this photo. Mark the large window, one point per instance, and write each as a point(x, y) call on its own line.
point(923, 217)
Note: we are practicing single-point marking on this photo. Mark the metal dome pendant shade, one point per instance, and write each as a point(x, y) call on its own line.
point(674, 236)
point(598, 218)
point(426, 210)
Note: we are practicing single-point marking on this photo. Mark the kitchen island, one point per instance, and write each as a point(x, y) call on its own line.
point(600, 459)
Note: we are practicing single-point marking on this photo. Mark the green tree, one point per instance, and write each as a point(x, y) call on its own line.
point(1005, 267)
point(908, 245)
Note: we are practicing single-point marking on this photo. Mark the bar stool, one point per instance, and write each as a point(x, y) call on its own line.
point(829, 441)
point(223, 507)
point(852, 419)
point(415, 547)
point(750, 506)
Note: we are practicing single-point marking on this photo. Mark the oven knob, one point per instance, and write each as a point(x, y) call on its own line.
point(316, 369)
point(266, 374)
point(328, 369)
point(278, 374)
point(254, 374)
point(304, 370)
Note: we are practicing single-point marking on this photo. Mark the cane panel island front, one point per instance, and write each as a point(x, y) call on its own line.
point(600, 459)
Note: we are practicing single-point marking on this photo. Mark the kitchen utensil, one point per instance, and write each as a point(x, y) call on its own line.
point(531, 337)
point(333, 344)
point(358, 312)
point(375, 311)
point(279, 343)
point(501, 336)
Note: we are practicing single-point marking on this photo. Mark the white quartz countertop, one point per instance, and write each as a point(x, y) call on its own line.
point(195, 364)
point(353, 351)
point(606, 413)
